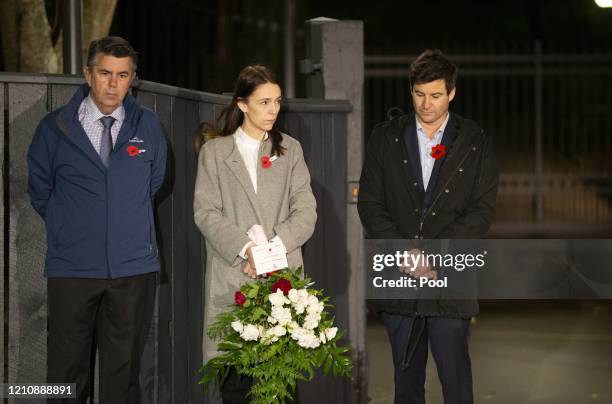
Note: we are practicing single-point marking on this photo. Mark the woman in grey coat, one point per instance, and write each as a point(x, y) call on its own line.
point(251, 179)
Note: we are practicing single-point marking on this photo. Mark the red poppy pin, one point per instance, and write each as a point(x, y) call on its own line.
point(438, 151)
point(133, 151)
point(266, 162)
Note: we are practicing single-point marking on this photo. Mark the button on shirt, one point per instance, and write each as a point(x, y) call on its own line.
point(425, 146)
point(89, 117)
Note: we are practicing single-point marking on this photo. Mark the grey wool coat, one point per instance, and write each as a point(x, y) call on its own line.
point(226, 206)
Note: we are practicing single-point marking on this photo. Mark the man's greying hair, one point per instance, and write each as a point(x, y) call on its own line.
point(432, 65)
point(111, 45)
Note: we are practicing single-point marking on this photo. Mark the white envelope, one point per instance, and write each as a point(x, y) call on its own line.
point(269, 257)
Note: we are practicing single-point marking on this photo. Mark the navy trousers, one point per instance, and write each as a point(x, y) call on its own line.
point(448, 339)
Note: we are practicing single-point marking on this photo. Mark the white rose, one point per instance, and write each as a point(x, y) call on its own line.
point(293, 296)
point(237, 326)
point(281, 314)
point(310, 323)
point(278, 331)
point(303, 294)
point(272, 320)
point(309, 340)
point(330, 333)
point(312, 300)
point(268, 337)
point(299, 308)
point(250, 333)
point(297, 333)
point(277, 298)
point(322, 337)
point(316, 308)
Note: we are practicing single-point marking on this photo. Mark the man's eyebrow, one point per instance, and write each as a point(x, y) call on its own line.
point(109, 71)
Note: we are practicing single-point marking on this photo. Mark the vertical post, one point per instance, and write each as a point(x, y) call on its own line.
point(539, 164)
point(289, 48)
point(72, 17)
point(335, 68)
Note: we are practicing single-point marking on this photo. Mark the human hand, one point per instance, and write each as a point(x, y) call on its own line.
point(249, 267)
point(420, 267)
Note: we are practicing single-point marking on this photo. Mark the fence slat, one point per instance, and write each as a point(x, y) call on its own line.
point(27, 311)
point(3, 222)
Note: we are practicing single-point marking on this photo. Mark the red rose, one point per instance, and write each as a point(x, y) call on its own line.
point(438, 151)
point(133, 151)
point(282, 284)
point(265, 162)
point(239, 298)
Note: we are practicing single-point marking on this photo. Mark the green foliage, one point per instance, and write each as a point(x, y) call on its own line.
point(275, 366)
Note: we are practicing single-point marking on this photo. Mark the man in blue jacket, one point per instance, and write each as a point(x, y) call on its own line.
point(94, 167)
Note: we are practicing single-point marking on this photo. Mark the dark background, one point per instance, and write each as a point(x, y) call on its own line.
point(203, 44)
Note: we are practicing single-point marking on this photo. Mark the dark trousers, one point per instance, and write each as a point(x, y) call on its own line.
point(115, 314)
point(235, 388)
point(448, 339)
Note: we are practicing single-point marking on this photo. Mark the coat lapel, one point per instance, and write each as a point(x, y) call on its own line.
point(266, 176)
point(457, 146)
point(129, 123)
point(235, 163)
point(125, 134)
point(75, 133)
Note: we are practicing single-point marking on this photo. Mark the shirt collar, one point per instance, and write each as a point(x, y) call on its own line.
point(438, 135)
point(241, 134)
point(93, 113)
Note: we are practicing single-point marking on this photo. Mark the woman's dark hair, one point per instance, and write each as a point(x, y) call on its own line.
point(432, 65)
point(231, 116)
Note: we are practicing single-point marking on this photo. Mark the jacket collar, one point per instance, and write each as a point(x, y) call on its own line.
point(448, 140)
point(404, 130)
point(235, 163)
point(68, 122)
point(458, 145)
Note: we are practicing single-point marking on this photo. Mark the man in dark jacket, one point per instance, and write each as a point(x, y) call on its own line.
point(94, 167)
point(430, 174)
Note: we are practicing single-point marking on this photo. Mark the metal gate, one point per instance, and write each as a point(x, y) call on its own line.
point(551, 117)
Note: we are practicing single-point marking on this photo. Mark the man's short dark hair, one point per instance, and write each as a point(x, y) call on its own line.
point(111, 45)
point(432, 65)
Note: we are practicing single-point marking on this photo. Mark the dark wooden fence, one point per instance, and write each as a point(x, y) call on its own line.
point(174, 350)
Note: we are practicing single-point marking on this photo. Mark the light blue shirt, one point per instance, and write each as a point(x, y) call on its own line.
point(425, 145)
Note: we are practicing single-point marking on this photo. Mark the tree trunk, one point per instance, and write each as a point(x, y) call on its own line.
point(97, 20)
point(26, 33)
point(26, 37)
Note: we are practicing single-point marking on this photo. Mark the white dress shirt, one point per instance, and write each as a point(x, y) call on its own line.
point(249, 150)
point(425, 146)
